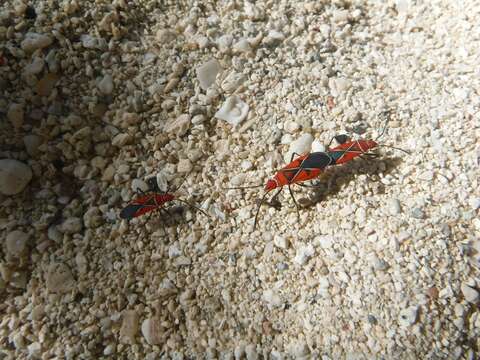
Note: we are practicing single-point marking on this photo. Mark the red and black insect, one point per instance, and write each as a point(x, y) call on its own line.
point(153, 200)
point(305, 167)
point(349, 149)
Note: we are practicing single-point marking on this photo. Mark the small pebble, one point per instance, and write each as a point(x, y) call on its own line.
point(232, 82)
point(109, 350)
point(338, 86)
point(251, 352)
point(121, 140)
point(325, 241)
point(71, 225)
point(34, 349)
point(106, 84)
point(14, 176)
point(394, 206)
point(470, 294)
point(179, 126)
point(475, 203)
point(164, 36)
point(59, 278)
point(418, 213)
point(130, 326)
point(35, 67)
point(34, 41)
point(317, 146)
point(16, 242)
point(433, 293)
point(46, 84)
point(274, 37)
point(32, 143)
point(242, 46)
point(15, 115)
point(304, 253)
point(152, 331)
point(272, 298)
point(224, 42)
point(246, 165)
point(91, 42)
point(408, 316)
point(184, 166)
point(300, 146)
point(280, 242)
point(291, 126)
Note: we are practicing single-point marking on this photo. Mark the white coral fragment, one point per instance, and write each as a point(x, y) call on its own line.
point(233, 110)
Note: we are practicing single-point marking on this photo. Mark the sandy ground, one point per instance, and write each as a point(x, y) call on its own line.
point(98, 96)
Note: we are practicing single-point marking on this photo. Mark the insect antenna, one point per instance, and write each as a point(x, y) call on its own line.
point(383, 130)
point(389, 146)
point(396, 148)
point(181, 184)
point(243, 187)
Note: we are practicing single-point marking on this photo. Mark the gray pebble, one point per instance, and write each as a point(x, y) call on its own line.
point(418, 213)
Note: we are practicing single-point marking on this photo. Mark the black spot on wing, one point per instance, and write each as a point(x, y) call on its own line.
point(342, 139)
point(130, 211)
point(316, 160)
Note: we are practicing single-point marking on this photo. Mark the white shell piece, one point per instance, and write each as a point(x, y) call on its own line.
point(300, 146)
point(233, 110)
point(207, 73)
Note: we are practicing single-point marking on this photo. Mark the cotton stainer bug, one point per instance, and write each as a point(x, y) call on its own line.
point(152, 200)
point(305, 167)
point(349, 149)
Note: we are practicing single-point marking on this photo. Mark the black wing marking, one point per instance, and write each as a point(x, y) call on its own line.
point(316, 160)
point(130, 210)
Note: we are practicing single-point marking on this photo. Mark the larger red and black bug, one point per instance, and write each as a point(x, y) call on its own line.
point(305, 167)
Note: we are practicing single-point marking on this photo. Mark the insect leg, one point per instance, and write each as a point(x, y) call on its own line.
point(149, 216)
point(294, 201)
point(368, 155)
point(258, 209)
point(277, 205)
point(140, 191)
point(341, 139)
point(310, 186)
point(293, 155)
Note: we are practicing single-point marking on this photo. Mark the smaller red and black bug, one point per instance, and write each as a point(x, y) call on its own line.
point(349, 149)
point(154, 199)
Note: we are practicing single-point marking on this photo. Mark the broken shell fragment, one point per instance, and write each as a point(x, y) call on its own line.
point(207, 73)
point(232, 82)
point(233, 110)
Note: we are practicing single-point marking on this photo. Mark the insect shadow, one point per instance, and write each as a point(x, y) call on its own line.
point(172, 216)
point(337, 178)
